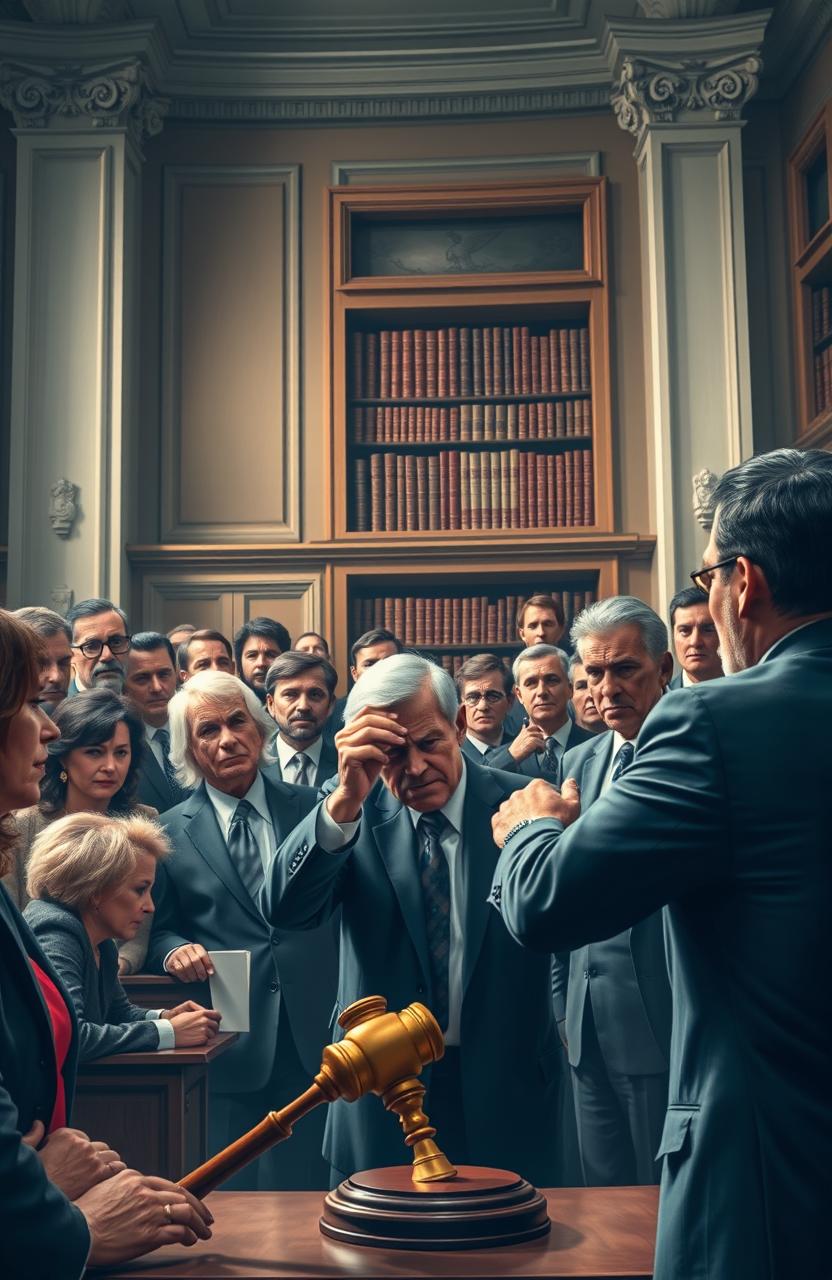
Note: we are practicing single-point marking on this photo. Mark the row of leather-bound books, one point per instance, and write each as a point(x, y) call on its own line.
point(454, 489)
point(430, 424)
point(473, 621)
point(821, 312)
point(463, 360)
point(823, 379)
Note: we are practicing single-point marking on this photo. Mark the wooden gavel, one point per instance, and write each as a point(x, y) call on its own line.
point(381, 1053)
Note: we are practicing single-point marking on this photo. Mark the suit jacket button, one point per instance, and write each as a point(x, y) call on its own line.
point(274, 986)
point(593, 973)
point(586, 973)
point(304, 847)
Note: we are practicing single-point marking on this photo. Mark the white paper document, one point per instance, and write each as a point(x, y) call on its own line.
point(230, 987)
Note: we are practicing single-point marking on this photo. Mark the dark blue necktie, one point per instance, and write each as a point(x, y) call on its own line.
point(551, 758)
point(162, 736)
point(623, 760)
point(436, 896)
point(244, 849)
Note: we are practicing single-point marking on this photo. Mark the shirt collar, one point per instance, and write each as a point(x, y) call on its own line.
point(455, 806)
point(482, 747)
point(150, 731)
point(226, 805)
point(561, 735)
point(285, 752)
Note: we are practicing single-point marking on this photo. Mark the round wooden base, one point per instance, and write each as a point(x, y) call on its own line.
point(479, 1209)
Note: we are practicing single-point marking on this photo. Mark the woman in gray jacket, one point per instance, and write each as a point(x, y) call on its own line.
point(89, 878)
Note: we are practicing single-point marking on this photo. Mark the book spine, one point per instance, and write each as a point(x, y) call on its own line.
point(569, 468)
point(442, 362)
point(583, 360)
point(376, 492)
point(453, 361)
point(497, 359)
point(384, 364)
point(430, 364)
point(398, 615)
point(514, 488)
point(408, 379)
point(357, 371)
point(465, 490)
point(371, 371)
point(422, 502)
point(476, 362)
point(487, 361)
point(396, 364)
point(476, 492)
point(389, 492)
point(409, 636)
point(574, 361)
point(419, 364)
point(465, 384)
point(560, 491)
point(361, 502)
point(496, 491)
point(401, 491)
point(435, 520)
point(454, 485)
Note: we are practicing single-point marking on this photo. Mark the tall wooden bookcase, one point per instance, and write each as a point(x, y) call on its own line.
point(810, 210)
point(470, 407)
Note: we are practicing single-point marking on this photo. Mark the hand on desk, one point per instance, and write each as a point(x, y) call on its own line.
point(71, 1160)
point(537, 800)
point(193, 1025)
point(134, 1213)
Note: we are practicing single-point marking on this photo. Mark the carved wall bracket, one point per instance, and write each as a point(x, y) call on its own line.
point(704, 488)
point(115, 95)
point(660, 91)
point(63, 507)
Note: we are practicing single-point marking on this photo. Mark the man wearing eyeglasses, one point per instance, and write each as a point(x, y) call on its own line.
point(100, 640)
point(723, 819)
point(485, 688)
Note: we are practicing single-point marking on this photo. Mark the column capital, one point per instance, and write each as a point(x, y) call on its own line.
point(683, 72)
point(105, 96)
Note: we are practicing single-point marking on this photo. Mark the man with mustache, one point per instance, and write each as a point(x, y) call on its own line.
point(100, 640)
point(542, 687)
point(56, 634)
point(300, 693)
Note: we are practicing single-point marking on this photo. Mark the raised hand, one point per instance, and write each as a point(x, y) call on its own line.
point(364, 747)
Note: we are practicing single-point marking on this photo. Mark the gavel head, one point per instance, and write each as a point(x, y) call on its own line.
point(379, 1048)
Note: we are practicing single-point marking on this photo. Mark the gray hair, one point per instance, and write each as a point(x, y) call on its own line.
point(574, 661)
point(46, 622)
point(397, 678)
point(536, 651)
point(211, 686)
point(608, 615)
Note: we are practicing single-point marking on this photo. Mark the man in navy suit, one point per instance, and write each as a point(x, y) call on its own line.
point(486, 691)
point(223, 837)
point(150, 684)
point(612, 998)
point(724, 816)
point(543, 688)
point(300, 693)
point(694, 639)
point(410, 864)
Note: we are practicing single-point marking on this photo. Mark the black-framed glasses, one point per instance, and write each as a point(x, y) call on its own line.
point(490, 696)
point(94, 648)
point(703, 578)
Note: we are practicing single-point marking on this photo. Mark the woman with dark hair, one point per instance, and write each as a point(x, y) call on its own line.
point(92, 768)
point(44, 1166)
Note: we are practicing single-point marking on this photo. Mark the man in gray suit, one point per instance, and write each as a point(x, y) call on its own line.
point(724, 816)
point(223, 838)
point(410, 863)
point(486, 691)
point(150, 684)
point(300, 693)
point(543, 689)
point(612, 998)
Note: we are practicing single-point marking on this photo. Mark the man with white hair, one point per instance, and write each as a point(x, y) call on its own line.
point(223, 838)
point(410, 863)
point(612, 998)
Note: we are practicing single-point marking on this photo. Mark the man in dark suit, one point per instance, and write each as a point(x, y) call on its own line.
point(612, 998)
point(724, 816)
point(486, 691)
point(256, 645)
point(543, 689)
point(150, 684)
point(206, 893)
point(694, 638)
point(409, 862)
point(300, 692)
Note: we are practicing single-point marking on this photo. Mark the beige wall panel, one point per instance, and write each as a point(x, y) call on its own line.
point(229, 365)
point(811, 89)
point(208, 599)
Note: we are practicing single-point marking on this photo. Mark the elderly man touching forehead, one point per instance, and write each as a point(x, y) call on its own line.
point(223, 838)
point(409, 864)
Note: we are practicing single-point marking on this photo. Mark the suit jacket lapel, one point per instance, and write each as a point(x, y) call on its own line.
point(155, 776)
point(284, 807)
point(595, 770)
point(394, 836)
point(205, 835)
point(480, 854)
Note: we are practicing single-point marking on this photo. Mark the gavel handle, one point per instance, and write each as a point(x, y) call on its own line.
point(275, 1127)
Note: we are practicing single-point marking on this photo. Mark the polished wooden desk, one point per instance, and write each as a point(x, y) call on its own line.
point(151, 1107)
point(597, 1232)
point(158, 991)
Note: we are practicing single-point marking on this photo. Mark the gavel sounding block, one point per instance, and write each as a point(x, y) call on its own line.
point(478, 1209)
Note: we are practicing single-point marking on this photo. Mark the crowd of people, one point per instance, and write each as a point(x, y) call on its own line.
point(571, 860)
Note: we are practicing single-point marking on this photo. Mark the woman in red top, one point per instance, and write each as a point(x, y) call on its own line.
point(117, 1213)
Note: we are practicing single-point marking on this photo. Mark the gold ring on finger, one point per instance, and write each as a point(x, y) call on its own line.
point(169, 1213)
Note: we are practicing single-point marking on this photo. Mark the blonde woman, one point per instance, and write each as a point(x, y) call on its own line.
point(89, 878)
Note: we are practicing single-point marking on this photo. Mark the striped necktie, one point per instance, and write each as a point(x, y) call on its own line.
point(436, 897)
point(623, 760)
point(162, 736)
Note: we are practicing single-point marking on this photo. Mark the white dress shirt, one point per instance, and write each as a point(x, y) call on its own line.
point(154, 744)
point(286, 755)
point(618, 741)
point(328, 831)
point(260, 821)
point(482, 747)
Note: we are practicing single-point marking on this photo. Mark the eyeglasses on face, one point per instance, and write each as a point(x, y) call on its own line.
point(94, 648)
point(703, 578)
point(489, 695)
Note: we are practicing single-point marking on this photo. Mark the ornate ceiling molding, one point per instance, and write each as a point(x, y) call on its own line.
point(117, 95)
point(691, 72)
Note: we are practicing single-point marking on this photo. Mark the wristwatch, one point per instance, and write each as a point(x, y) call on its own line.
point(517, 827)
